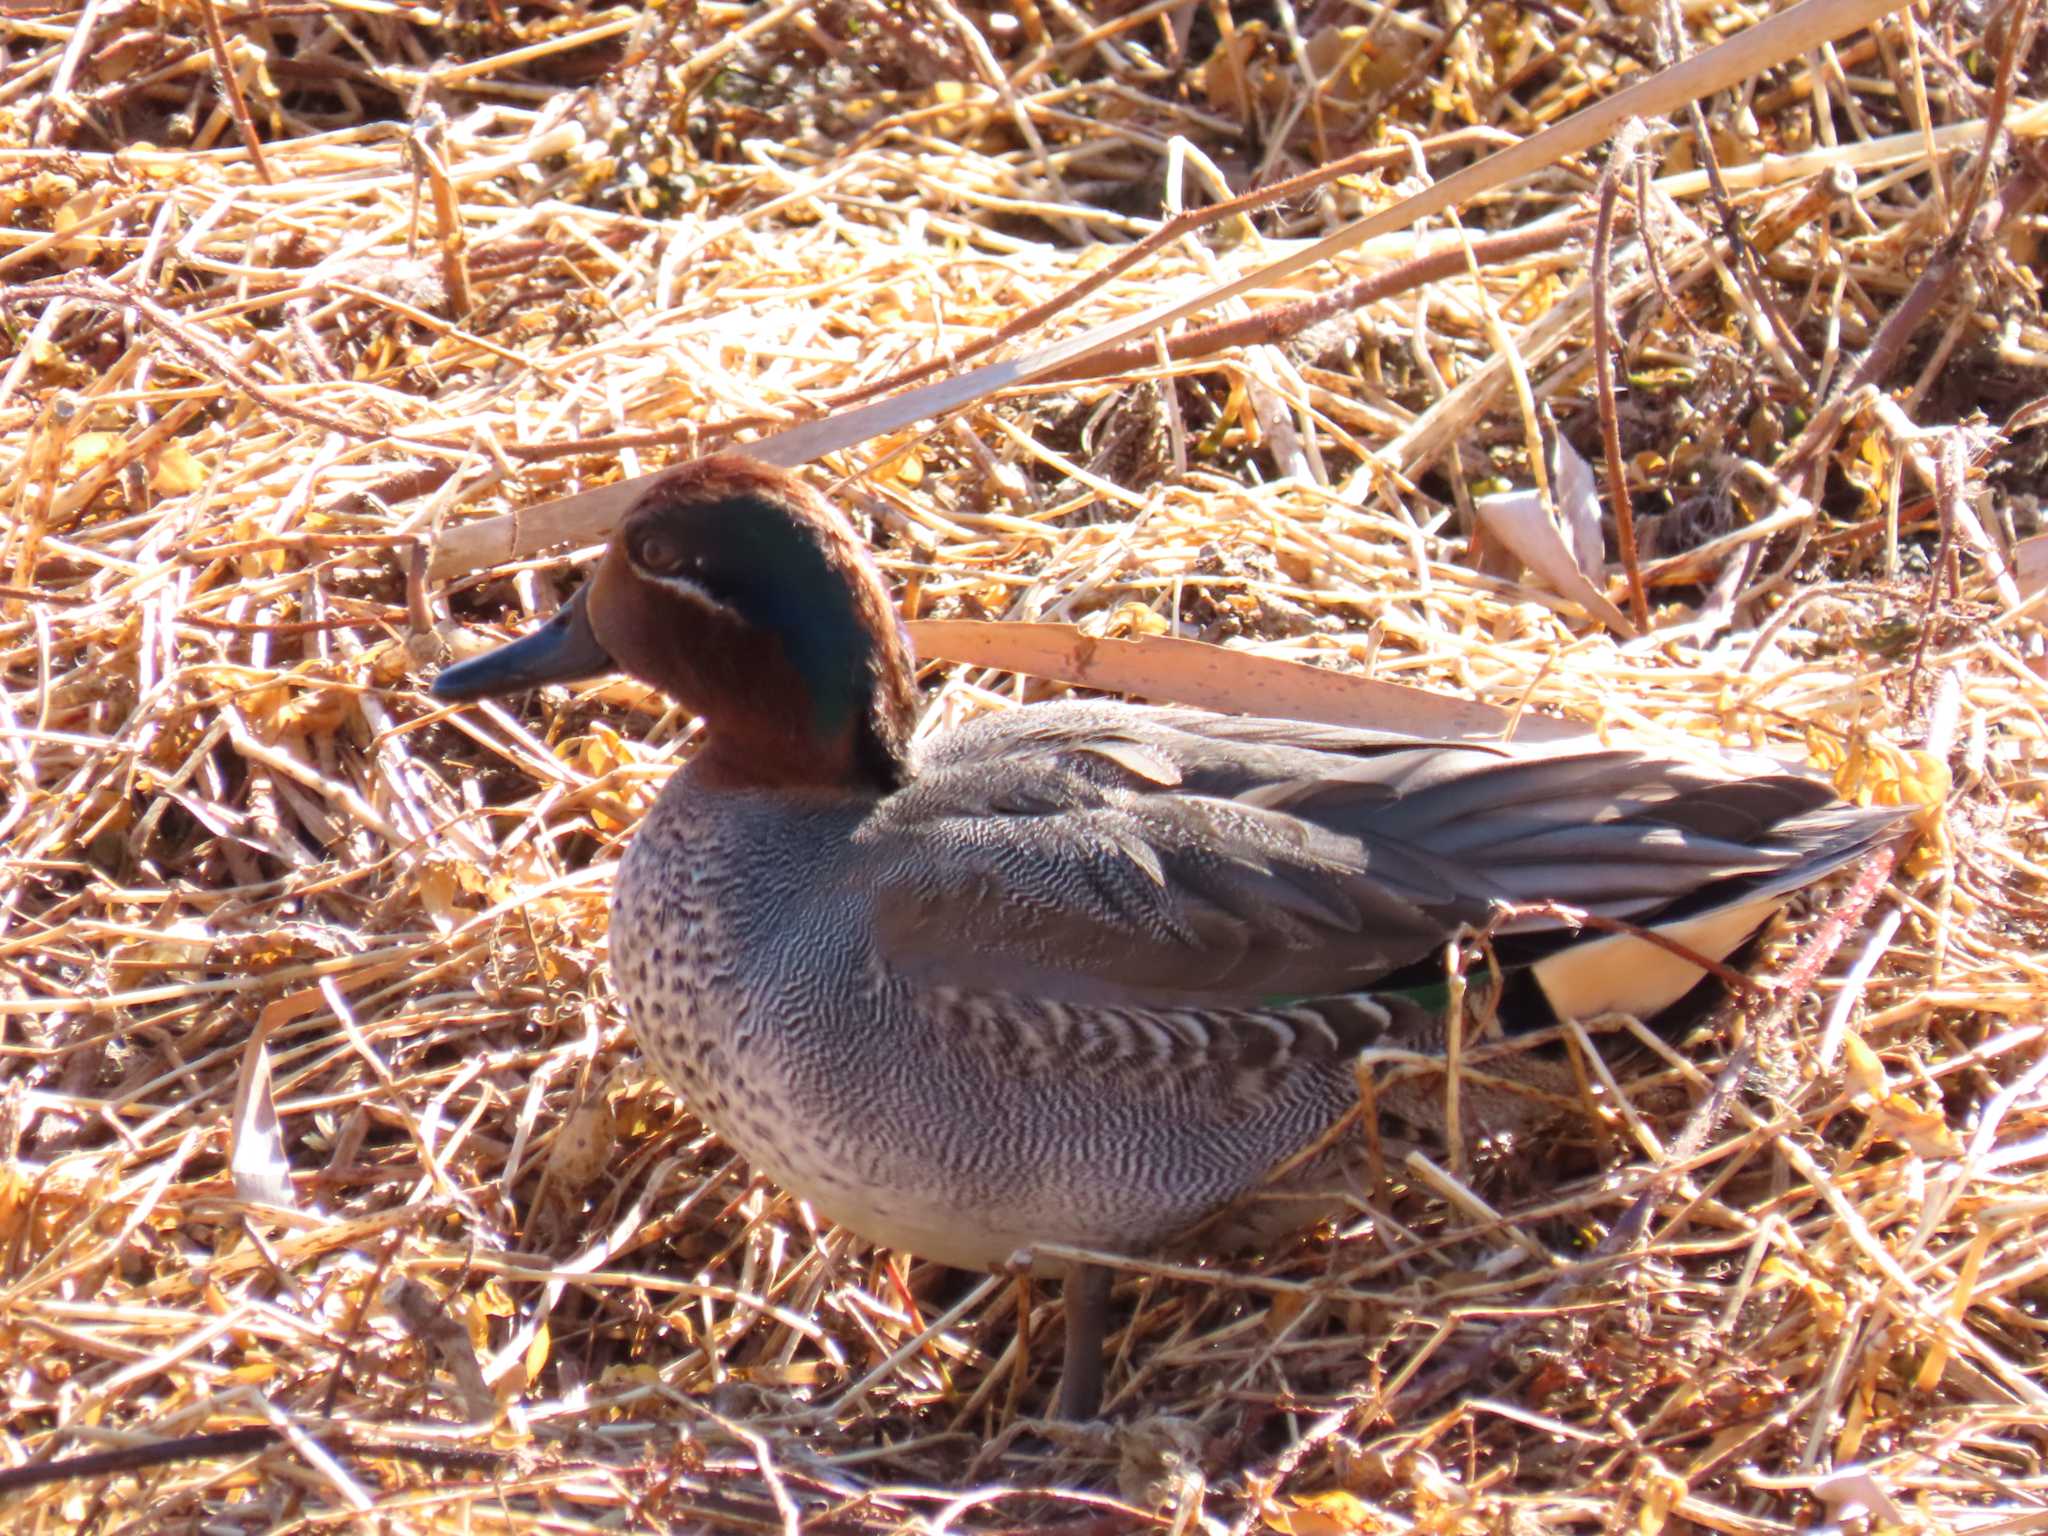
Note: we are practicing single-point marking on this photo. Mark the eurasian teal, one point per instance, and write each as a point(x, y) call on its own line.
point(1080, 973)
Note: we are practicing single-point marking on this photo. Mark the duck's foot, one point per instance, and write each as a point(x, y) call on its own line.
point(1087, 1307)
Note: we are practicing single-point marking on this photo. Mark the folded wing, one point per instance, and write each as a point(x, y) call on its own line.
point(1164, 858)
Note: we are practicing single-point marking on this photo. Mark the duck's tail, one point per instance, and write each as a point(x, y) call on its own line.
point(1621, 973)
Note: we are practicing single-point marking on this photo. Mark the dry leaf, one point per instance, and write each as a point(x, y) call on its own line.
point(313, 711)
point(255, 562)
point(256, 1157)
point(493, 1300)
point(1854, 1494)
point(424, 1315)
point(585, 1142)
point(1335, 1513)
point(1165, 669)
point(1235, 72)
point(176, 471)
point(1577, 495)
point(1869, 770)
point(600, 752)
point(314, 699)
point(88, 450)
point(534, 1361)
point(390, 661)
point(1354, 67)
point(1828, 1304)
point(1282, 1310)
point(1661, 1495)
point(1925, 1132)
point(1869, 469)
point(1863, 1069)
point(2030, 564)
point(180, 945)
point(75, 211)
point(642, 1107)
point(1128, 619)
point(1891, 1113)
point(1935, 1366)
point(440, 892)
point(34, 1216)
point(1563, 558)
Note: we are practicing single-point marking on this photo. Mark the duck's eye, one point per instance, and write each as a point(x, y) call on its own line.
point(657, 554)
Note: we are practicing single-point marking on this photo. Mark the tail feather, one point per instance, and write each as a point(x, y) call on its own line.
point(1620, 973)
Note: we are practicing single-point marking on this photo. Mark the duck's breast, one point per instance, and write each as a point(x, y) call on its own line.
point(958, 1126)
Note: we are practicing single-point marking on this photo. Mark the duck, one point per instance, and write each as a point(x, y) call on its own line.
point(1086, 974)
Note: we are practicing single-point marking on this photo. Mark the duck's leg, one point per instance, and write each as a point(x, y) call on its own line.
point(1087, 1303)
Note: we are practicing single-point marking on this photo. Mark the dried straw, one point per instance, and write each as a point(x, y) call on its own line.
point(334, 1195)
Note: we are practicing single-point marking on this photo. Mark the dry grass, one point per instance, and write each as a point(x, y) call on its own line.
point(269, 922)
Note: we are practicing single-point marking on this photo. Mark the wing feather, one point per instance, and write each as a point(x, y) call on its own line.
point(1104, 855)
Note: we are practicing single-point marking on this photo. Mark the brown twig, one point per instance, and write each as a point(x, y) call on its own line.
point(231, 87)
point(1748, 268)
point(136, 1458)
point(1618, 163)
point(231, 1442)
point(429, 133)
point(1176, 228)
point(1950, 474)
point(1278, 322)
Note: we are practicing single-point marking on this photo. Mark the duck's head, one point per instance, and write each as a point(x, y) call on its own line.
point(736, 590)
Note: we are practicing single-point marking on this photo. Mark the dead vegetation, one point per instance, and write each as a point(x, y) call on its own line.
point(322, 1130)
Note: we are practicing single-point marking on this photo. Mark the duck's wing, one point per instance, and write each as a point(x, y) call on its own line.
point(1101, 854)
